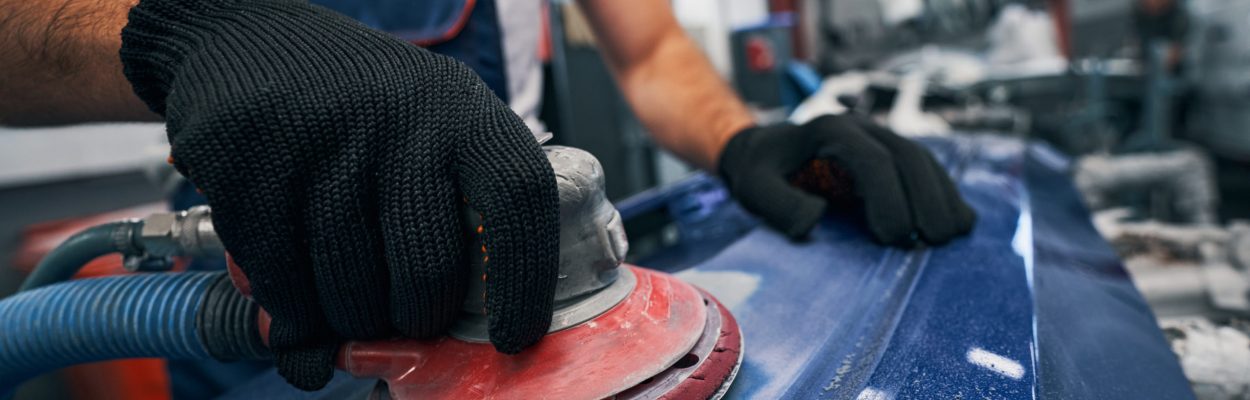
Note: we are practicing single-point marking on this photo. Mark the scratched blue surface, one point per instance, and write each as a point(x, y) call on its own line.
point(1032, 304)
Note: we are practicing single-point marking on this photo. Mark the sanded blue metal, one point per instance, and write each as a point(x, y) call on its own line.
point(1032, 304)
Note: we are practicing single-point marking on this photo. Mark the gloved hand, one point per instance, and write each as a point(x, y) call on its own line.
point(336, 160)
point(906, 196)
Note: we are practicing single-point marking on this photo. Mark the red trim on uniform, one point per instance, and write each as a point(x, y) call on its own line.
point(544, 41)
point(1061, 16)
point(455, 28)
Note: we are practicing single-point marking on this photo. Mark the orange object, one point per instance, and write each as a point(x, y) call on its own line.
point(133, 379)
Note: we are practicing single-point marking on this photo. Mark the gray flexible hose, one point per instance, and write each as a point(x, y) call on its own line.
point(65, 260)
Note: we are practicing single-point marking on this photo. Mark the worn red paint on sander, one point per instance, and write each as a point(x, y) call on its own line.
point(707, 370)
point(665, 340)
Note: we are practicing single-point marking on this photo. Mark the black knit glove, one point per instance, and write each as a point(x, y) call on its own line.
point(336, 159)
point(848, 162)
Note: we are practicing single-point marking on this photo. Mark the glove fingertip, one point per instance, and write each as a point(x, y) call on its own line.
point(968, 217)
point(894, 233)
point(510, 346)
point(512, 338)
point(307, 369)
point(803, 220)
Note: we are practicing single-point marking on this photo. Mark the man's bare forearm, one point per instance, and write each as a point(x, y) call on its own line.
point(672, 87)
point(688, 108)
point(60, 63)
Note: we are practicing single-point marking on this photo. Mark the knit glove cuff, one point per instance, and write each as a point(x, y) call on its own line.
point(161, 34)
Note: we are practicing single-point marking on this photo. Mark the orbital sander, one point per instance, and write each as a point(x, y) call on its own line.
point(618, 331)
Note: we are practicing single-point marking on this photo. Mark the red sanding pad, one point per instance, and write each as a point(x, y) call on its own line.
point(707, 370)
point(651, 330)
point(719, 368)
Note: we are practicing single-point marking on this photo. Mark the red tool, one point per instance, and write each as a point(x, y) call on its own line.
point(625, 333)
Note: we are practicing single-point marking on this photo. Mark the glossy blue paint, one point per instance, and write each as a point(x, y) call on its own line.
point(1032, 304)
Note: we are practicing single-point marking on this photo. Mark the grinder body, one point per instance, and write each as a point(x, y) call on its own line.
point(617, 330)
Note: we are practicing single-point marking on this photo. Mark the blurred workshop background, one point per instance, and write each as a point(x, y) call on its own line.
point(1150, 98)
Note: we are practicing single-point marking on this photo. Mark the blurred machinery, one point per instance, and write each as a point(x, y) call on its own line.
point(1197, 280)
point(1177, 185)
point(854, 34)
point(1151, 101)
point(1220, 43)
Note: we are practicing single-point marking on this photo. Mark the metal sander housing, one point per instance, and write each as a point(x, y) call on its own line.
point(592, 247)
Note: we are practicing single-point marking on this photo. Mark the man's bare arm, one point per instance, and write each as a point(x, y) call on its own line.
point(672, 87)
point(60, 63)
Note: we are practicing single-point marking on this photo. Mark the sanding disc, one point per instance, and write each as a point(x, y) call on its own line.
point(657, 325)
point(707, 370)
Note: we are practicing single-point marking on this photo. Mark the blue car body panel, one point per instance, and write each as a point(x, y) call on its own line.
point(1033, 303)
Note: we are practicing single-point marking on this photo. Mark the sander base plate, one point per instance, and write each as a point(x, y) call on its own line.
point(666, 338)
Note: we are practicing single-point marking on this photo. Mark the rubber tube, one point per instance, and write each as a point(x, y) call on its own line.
point(144, 315)
point(65, 260)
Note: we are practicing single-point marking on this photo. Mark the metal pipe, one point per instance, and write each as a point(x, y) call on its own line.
point(1185, 174)
point(147, 245)
point(592, 247)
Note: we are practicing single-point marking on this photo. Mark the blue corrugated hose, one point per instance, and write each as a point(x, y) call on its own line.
point(150, 315)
